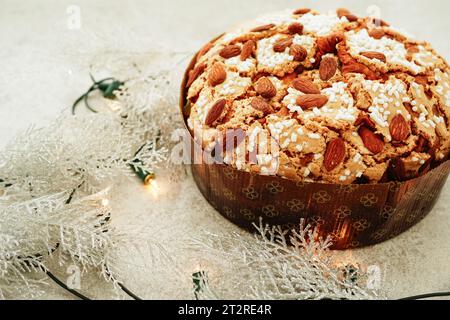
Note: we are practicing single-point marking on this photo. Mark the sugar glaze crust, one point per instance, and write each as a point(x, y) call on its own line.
point(347, 100)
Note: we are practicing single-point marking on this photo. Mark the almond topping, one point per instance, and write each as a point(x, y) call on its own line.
point(265, 88)
point(283, 112)
point(309, 101)
point(195, 73)
point(328, 68)
point(230, 51)
point(334, 155)
point(247, 49)
point(423, 80)
point(399, 128)
point(356, 67)
point(377, 33)
point(282, 44)
point(345, 13)
point(263, 28)
point(413, 50)
point(374, 55)
point(215, 112)
point(341, 12)
point(298, 52)
point(328, 44)
point(217, 74)
point(262, 105)
point(302, 11)
point(371, 141)
point(295, 28)
point(306, 86)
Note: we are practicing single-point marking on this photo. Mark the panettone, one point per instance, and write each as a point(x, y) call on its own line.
point(344, 99)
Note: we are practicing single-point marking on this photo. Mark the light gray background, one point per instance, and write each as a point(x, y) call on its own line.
point(44, 66)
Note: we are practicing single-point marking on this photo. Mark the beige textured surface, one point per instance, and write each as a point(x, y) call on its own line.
point(44, 66)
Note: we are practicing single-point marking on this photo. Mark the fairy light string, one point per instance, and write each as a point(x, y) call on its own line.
point(107, 88)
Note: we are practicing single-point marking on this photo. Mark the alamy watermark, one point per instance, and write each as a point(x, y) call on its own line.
point(73, 17)
point(74, 279)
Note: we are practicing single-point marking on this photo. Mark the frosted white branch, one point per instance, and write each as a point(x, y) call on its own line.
point(53, 182)
point(275, 264)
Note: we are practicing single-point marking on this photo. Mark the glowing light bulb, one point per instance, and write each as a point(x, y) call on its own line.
point(152, 185)
point(114, 106)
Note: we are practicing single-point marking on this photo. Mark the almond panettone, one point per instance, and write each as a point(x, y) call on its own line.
point(345, 99)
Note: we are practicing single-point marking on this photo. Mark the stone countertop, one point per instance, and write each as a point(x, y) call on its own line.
point(46, 56)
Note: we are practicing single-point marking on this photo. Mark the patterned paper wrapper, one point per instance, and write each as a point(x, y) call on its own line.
point(354, 215)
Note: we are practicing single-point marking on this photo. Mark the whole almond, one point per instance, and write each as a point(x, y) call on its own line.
point(305, 85)
point(265, 88)
point(298, 52)
point(282, 44)
point(354, 67)
point(334, 155)
point(377, 33)
point(328, 68)
point(341, 12)
point(351, 17)
point(374, 55)
point(230, 51)
point(302, 11)
point(247, 49)
point(309, 101)
point(295, 28)
point(328, 44)
point(263, 28)
point(347, 14)
point(215, 112)
point(399, 128)
point(217, 74)
point(371, 141)
point(262, 105)
point(413, 50)
point(195, 73)
point(396, 35)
